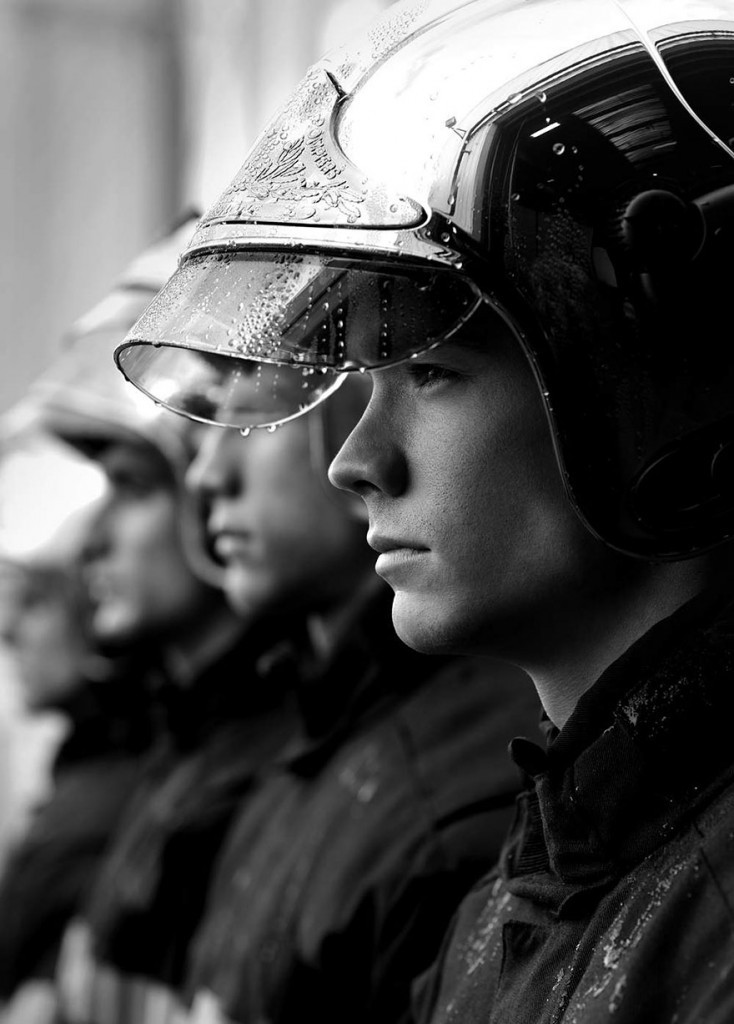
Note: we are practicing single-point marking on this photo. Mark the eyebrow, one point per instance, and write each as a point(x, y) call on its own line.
point(473, 341)
point(482, 332)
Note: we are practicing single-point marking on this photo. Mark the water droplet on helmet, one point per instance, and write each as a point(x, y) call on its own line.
point(514, 97)
point(245, 432)
point(558, 148)
point(272, 427)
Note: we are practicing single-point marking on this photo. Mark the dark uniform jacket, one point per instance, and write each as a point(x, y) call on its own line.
point(93, 774)
point(122, 960)
point(342, 871)
point(614, 900)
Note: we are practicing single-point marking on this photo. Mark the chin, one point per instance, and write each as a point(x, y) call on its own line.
point(235, 588)
point(243, 597)
point(434, 631)
point(240, 604)
point(419, 631)
point(115, 628)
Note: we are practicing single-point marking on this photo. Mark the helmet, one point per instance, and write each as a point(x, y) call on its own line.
point(563, 166)
point(82, 399)
point(36, 533)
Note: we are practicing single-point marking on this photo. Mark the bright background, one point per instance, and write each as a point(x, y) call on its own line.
point(116, 117)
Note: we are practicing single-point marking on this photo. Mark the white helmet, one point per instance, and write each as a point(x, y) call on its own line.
point(82, 399)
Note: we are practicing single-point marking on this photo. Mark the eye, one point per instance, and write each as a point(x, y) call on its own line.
point(134, 474)
point(427, 375)
point(133, 481)
point(128, 482)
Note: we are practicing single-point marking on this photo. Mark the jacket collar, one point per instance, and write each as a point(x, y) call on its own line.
point(255, 676)
point(369, 670)
point(646, 745)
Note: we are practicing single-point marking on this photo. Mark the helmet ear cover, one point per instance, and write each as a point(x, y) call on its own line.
point(661, 234)
point(670, 244)
point(680, 249)
point(690, 486)
point(657, 361)
point(621, 262)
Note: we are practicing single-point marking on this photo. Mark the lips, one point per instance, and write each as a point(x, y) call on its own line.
point(229, 545)
point(392, 545)
point(398, 557)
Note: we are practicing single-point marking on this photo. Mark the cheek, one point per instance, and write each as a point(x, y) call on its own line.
point(54, 629)
point(290, 497)
point(494, 494)
point(310, 527)
point(150, 533)
point(454, 474)
point(35, 638)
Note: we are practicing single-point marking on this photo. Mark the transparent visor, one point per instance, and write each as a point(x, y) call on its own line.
point(249, 340)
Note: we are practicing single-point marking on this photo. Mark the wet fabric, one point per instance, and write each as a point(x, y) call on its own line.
point(94, 772)
point(614, 896)
point(147, 898)
point(341, 872)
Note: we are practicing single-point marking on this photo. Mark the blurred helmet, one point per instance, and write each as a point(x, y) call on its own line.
point(566, 166)
point(82, 399)
point(49, 497)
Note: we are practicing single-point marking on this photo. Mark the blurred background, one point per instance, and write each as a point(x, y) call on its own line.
point(117, 116)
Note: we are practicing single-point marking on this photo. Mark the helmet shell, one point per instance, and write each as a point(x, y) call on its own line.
point(568, 164)
point(34, 531)
point(82, 399)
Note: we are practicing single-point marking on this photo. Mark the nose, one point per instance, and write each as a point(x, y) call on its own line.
point(99, 538)
point(212, 472)
point(10, 610)
point(371, 461)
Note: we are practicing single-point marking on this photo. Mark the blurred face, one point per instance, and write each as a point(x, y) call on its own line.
point(140, 583)
point(454, 461)
point(286, 538)
point(40, 623)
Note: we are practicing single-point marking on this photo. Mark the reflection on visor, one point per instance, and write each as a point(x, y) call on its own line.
point(323, 315)
point(226, 391)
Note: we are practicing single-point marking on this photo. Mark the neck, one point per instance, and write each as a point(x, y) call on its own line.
point(190, 653)
point(599, 631)
point(327, 627)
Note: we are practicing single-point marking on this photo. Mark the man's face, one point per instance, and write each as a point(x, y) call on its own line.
point(453, 458)
point(42, 624)
point(140, 584)
point(285, 537)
